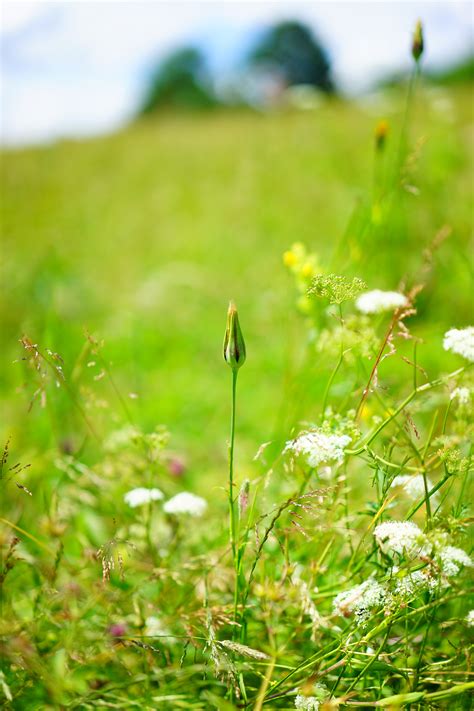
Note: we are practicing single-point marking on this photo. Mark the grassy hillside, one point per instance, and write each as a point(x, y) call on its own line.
point(142, 237)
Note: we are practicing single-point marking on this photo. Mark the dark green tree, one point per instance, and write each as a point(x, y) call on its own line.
point(292, 49)
point(180, 82)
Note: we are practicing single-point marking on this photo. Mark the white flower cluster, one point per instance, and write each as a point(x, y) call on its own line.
point(360, 600)
point(414, 486)
point(313, 702)
point(140, 496)
point(461, 342)
point(318, 447)
point(185, 503)
point(181, 504)
point(154, 627)
point(377, 301)
point(452, 559)
point(470, 618)
point(307, 703)
point(402, 538)
point(462, 395)
point(414, 583)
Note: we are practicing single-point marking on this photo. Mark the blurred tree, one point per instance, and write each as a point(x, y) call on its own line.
point(180, 81)
point(291, 48)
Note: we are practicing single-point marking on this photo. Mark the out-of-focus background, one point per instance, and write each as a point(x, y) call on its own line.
point(158, 160)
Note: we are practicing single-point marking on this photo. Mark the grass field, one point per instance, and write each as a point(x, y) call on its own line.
point(140, 239)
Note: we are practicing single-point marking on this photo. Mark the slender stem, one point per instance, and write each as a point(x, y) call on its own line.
point(388, 334)
point(408, 399)
point(329, 384)
point(370, 662)
point(231, 467)
point(232, 521)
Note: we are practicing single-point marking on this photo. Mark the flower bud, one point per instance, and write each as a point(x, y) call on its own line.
point(417, 44)
point(381, 132)
point(234, 344)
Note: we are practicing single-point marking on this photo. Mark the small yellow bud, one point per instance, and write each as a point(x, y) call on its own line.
point(418, 45)
point(234, 344)
point(381, 132)
point(289, 259)
point(307, 270)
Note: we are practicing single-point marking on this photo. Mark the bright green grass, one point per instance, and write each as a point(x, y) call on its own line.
point(142, 237)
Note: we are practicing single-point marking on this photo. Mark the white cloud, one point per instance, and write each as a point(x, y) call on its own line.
point(77, 67)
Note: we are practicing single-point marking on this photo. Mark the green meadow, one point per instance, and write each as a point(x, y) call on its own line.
point(120, 255)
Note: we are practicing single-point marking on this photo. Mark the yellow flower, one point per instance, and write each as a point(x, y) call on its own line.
point(307, 270)
point(289, 258)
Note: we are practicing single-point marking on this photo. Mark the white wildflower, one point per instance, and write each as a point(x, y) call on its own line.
point(414, 584)
point(414, 486)
point(186, 503)
point(307, 703)
point(470, 618)
point(460, 341)
point(140, 496)
point(360, 600)
point(452, 559)
point(318, 447)
point(154, 627)
point(376, 301)
point(403, 538)
point(313, 702)
point(462, 395)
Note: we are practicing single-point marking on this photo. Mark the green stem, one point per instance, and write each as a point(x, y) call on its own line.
point(420, 389)
point(370, 662)
point(232, 523)
point(329, 384)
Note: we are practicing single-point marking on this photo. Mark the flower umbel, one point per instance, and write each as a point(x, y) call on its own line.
point(140, 496)
point(185, 503)
point(402, 538)
point(318, 447)
point(360, 600)
point(377, 301)
point(234, 344)
point(452, 559)
point(460, 341)
point(336, 288)
point(414, 486)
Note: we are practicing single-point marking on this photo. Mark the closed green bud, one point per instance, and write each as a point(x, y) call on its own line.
point(417, 44)
point(234, 344)
point(381, 132)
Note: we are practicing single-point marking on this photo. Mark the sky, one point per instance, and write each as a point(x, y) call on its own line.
point(71, 68)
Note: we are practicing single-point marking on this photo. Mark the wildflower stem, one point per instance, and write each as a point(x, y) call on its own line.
point(329, 384)
point(408, 399)
point(422, 649)
point(232, 517)
point(373, 372)
point(231, 465)
point(371, 661)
